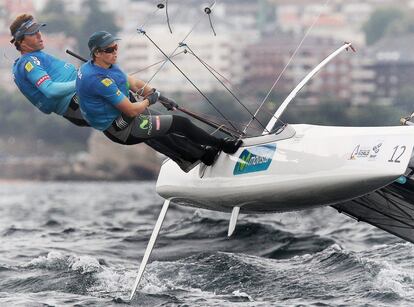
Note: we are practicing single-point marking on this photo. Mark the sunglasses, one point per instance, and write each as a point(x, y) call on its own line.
point(110, 49)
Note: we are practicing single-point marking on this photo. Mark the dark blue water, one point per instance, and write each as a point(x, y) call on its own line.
point(68, 244)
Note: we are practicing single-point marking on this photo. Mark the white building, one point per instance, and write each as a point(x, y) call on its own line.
point(76, 6)
point(222, 52)
point(337, 21)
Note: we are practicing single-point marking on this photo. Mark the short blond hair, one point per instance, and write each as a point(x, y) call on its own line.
point(15, 25)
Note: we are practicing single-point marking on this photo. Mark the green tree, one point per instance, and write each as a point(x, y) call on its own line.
point(380, 21)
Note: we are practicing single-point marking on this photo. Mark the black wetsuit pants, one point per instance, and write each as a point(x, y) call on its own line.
point(175, 136)
point(175, 146)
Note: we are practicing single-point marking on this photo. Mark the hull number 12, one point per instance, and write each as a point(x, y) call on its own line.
point(397, 154)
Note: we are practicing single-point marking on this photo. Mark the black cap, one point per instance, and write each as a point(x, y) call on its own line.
point(26, 28)
point(100, 39)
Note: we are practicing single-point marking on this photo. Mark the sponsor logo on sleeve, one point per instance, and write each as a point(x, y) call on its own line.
point(42, 79)
point(255, 159)
point(35, 60)
point(29, 67)
point(107, 82)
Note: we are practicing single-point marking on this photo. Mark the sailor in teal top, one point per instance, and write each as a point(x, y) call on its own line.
point(47, 82)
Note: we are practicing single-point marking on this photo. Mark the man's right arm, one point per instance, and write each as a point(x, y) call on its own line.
point(107, 88)
point(39, 77)
point(132, 109)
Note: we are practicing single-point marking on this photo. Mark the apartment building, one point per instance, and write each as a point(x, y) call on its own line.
point(268, 59)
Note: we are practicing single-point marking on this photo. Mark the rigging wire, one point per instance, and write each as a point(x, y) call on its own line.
point(185, 51)
point(217, 119)
point(141, 30)
point(235, 122)
point(155, 64)
point(232, 85)
point(291, 59)
point(219, 126)
point(160, 6)
point(168, 59)
point(214, 70)
point(189, 80)
point(222, 83)
point(208, 11)
point(168, 16)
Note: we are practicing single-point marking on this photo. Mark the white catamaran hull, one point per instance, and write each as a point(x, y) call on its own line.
point(303, 167)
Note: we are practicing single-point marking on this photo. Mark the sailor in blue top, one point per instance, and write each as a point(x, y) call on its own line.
point(47, 82)
point(103, 88)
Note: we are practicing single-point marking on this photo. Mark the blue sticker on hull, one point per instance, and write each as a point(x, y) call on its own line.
point(255, 159)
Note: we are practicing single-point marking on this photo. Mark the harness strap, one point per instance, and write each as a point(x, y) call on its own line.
point(121, 122)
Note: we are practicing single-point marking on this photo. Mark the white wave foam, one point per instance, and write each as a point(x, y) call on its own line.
point(121, 282)
point(396, 279)
point(111, 281)
point(107, 280)
point(393, 274)
point(58, 261)
point(242, 294)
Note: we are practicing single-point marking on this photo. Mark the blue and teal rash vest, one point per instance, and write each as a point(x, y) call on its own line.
point(100, 90)
point(47, 82)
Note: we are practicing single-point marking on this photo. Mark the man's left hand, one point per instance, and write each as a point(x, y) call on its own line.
point(153, 97)
point(168, 103)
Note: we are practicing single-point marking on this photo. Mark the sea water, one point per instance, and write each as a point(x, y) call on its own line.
point(67, 244)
